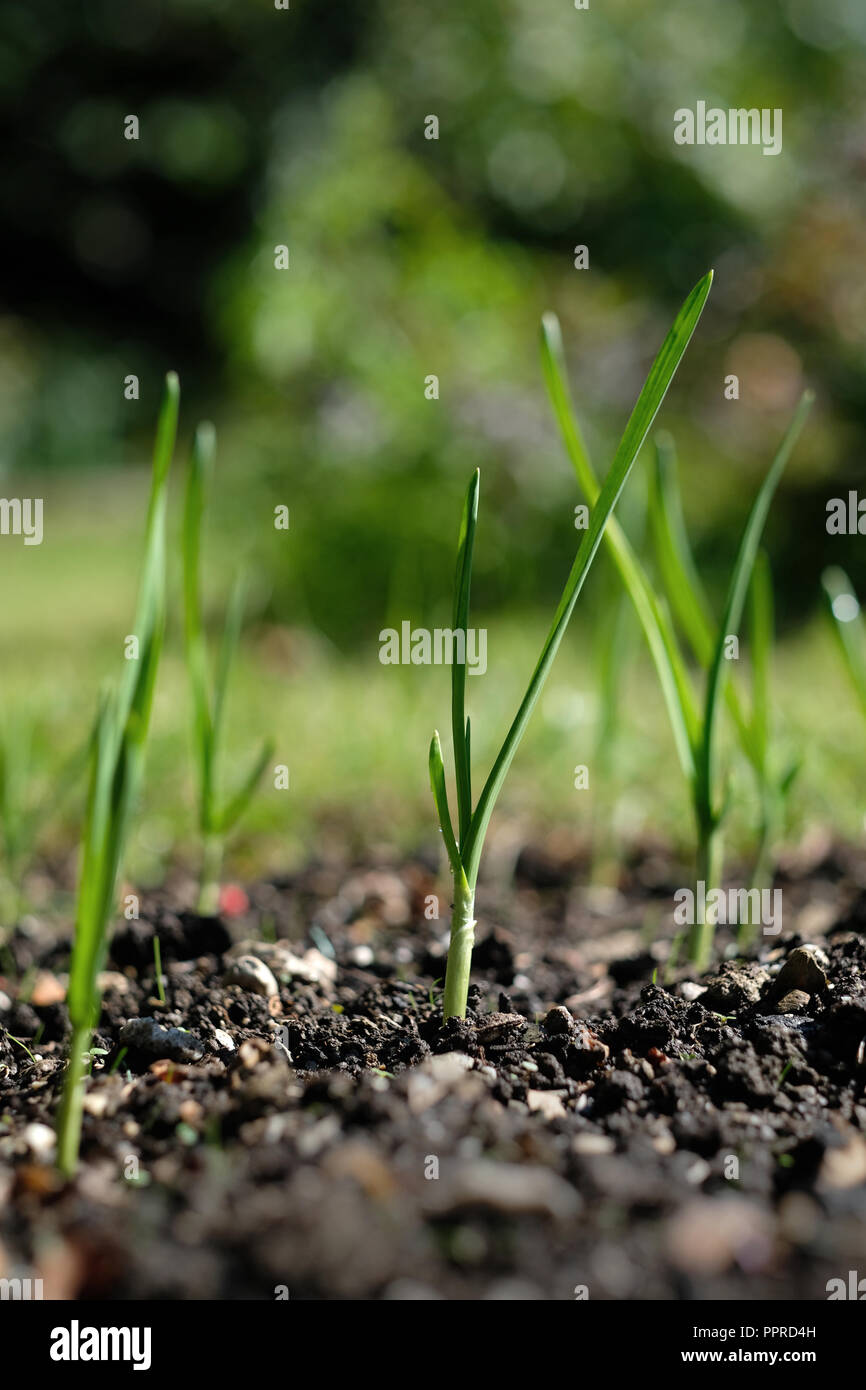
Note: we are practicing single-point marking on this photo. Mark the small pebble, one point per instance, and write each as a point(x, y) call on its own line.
point(40, 1140)
point(548, 1104)
point(558, 1020)
point(794, 1002)
point(156, 1040)
point(253, 975)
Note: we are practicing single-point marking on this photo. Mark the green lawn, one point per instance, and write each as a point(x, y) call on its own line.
point(354, 733)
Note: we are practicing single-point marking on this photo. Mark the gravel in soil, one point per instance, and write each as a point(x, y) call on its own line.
point(294, 1119)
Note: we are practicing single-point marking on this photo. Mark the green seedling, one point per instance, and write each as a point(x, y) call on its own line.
point(694, 723)
point(843, 608)
point(23, 1046)
point(616, 643)
point(464, 846)
point(116, 766)
point(157, 966)
point(216, 819)
point(689, 604)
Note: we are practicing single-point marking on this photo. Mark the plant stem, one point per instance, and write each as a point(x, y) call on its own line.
point(708, 869)
point(212, 861)
point(69, 1130)
point(460, 949)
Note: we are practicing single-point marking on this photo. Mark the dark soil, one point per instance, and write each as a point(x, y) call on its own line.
point(601, 1124)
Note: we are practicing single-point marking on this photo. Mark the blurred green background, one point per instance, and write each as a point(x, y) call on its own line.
point(411, 257)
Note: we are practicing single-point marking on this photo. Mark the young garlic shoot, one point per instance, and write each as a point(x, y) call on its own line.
point(116, 765)
point(216, 818)
point(464, 847)
point(694, 722)
point(691, 608)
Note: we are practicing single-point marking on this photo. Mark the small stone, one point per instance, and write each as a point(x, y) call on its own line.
point(434, 1078)
point(112, 979)
point(803, 971)
point(312, 968)
point(448, 1066)
point(47, 989)
point(707, 1236)
point(691, 990)
point(358, 1160)
point(558, 1020)
point(40, 1140)
point(156, 1040)
point(545, 1103)
point(586, 1144)
point(845, 1166)
point(249, 1054)
point(586, 1042)
point(698, 1172)
point(793, 1003)
point(253, 975)
point(512, 1188)
point(95, 1103)
point(734, 987)
point(494, 1027)
point(664, 1143)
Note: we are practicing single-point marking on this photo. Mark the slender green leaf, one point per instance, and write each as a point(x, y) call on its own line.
point(230, 815)
point(843, 608)
point(469, 758)
point(640, 422)
point(682, 585)
point(676, 689)
point(119, 738)
point(736, 598)
point(118, 746)
point(197, 482)
point(228, 651)
point(440, 796)
point(460, 623)
point(761, 643)
point(673, 553)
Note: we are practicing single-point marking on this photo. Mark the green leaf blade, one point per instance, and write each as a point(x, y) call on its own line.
point(844, 612)
point(734, 604)
point(640, 422)
point(232, 813)
point(673, 677)
point(460, 623)
point(674, 555)
point(440, 797)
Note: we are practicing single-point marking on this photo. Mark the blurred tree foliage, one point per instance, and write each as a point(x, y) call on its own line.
point(413, 258)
